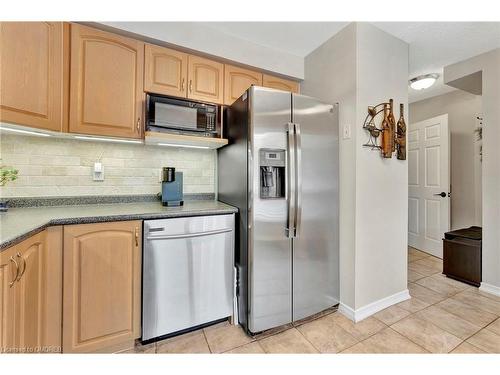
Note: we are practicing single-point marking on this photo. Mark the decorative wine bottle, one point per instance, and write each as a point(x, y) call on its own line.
point(401, 134)
point(386, 144)
point(392, 123)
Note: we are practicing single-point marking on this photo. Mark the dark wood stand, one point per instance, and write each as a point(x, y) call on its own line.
point(462, 255)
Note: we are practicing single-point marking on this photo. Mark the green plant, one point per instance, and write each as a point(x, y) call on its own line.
point(7, 174)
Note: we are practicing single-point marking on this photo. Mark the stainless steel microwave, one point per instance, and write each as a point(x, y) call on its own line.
point(181, 116)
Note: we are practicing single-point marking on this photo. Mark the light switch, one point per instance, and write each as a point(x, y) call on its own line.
point(98, 172)
point(347, 131)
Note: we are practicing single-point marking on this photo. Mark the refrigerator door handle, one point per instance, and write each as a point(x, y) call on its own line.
point(291, 193)
point(298, 179)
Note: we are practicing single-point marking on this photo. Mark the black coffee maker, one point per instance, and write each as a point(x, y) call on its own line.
point(171, 187)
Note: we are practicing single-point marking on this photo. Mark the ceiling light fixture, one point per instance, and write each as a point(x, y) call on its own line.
point(84, 138)
point(423, 82)
point(3, 128)
point(186, 146)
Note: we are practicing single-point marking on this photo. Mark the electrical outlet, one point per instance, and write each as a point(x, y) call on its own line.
point(98, 172)
point(346, 131)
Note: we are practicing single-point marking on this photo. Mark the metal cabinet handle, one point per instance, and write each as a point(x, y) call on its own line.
point(17, 272)
point(190, 85)
point(182, 84)
point(139, 125)
point(136, 236)
point(290, 229)
point(24, 266)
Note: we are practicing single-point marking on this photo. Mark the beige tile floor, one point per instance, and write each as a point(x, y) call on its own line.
point(443, 316)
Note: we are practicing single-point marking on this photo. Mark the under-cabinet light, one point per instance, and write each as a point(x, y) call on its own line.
point(186, 146)
point(24, 132)
point(82, 137)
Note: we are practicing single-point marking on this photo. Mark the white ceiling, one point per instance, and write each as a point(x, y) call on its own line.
point(433, 45)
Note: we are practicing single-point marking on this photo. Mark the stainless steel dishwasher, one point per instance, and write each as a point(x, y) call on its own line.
point(187, 274)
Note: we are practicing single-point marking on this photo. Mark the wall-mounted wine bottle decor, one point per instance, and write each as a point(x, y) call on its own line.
point(389, 137)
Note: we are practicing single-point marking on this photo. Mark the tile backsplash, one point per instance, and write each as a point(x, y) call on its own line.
point(63, 167)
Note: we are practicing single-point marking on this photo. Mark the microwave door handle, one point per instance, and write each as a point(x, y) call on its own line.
point(298, 179)
point(290, 172)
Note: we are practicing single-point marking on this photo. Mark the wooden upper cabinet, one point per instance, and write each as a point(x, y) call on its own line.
point(237, 80)
point(165, 71)
point(106, 85)
point(31, 74)
point(206, 80)
point(280, 83)
point(102, 281)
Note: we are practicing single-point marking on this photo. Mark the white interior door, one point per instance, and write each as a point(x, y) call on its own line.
point(428, 184)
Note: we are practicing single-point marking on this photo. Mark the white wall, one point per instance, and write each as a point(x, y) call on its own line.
point(462, 109)
point(381, 184)
point(330, 75)
point(489, 64)
point(361, 66)
point(208, 40)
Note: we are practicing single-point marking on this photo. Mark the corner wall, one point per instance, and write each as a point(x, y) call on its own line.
point(330, 75)
point(360, 66)
point(381, 184)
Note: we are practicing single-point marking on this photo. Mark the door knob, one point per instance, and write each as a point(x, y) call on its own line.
point(442, 194)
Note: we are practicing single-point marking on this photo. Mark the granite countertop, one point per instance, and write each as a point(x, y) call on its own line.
point(20, 223)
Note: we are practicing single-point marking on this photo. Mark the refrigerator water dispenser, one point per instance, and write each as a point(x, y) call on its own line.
point(272, 173)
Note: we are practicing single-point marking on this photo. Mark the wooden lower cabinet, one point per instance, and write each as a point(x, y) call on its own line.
point(102, 286)
point(7, 315)
point(31, 292)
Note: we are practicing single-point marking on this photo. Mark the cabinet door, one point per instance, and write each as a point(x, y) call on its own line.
point(31, 74)
point(106, 83)
point(102, 281)
point(30, 308)
point(165, 71)
point(29, 297)
point(280, 83)
point(237, 80)
point(8, 266)
point(206, 80)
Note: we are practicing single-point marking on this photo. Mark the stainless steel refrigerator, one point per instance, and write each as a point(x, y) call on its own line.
point(280, 169)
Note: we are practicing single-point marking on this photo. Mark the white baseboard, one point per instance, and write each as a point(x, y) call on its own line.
point(346, 311)
point(488, 288)
point(374, 307)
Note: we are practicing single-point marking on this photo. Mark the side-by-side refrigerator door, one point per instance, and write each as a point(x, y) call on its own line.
point(269, 248)
point(316, 245)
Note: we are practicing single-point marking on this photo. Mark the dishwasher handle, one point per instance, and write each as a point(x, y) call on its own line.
point(189, 235)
